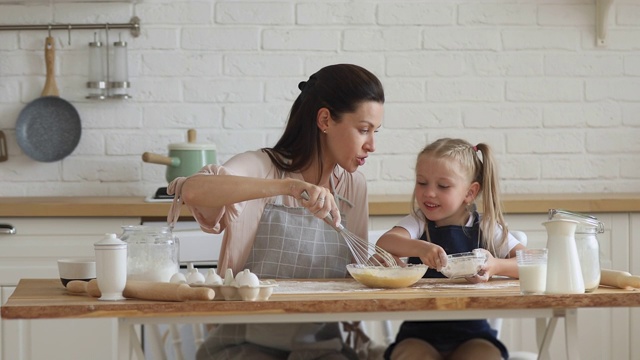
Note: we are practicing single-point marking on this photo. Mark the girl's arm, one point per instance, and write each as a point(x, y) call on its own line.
point(399, 243)
point(494, 266)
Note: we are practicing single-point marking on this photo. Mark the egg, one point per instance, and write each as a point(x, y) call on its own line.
point(194, 276)
point(247, 278)
point(178, 278)
point(212, 278)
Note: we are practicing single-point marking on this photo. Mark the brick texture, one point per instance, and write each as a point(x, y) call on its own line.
point(526, 77)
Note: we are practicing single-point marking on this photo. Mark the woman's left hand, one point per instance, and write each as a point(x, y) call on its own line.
point(486, 271)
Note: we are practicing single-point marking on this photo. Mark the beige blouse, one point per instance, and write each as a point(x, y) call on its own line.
point(240, 221)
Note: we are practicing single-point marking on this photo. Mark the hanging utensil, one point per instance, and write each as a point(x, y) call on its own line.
point(364, 252)
point(48, 128)
point(4, 155)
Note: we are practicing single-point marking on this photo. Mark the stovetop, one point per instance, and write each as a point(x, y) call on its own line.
point(160, 196)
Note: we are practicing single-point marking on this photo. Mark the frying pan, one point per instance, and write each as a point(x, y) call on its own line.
point(48, 128)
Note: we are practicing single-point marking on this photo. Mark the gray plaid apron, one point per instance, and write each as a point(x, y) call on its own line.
point(290, 243)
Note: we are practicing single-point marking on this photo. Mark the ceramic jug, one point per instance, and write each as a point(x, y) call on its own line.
point(564, 275)
point(587, 244)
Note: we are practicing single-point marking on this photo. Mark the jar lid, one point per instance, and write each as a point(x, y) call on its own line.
point(111, 242)
point(586, 221)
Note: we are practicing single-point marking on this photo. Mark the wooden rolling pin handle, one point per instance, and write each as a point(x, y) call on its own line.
point(620, 279)
point(84, 287)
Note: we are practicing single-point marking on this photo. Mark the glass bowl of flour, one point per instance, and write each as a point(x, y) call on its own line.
point(464, 264)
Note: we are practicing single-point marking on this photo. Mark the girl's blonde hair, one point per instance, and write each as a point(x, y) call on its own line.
point(481, 170)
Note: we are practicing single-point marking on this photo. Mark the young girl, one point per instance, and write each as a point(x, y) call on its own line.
point(450, 175)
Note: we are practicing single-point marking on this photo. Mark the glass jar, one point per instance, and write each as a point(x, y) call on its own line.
point(152, 252)
point(587, 245)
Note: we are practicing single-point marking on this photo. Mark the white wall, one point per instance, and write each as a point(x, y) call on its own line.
point(523, 76)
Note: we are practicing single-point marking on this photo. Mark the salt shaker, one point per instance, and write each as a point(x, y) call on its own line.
point(111, 267)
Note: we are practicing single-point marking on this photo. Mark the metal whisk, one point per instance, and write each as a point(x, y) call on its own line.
point(364, 252)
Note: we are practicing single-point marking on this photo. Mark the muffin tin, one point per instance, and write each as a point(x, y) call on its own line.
point(464, 264)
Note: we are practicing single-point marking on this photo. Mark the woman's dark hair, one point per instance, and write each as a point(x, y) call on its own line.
point(340, 88)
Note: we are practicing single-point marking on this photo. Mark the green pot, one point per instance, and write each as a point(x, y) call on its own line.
point(184, 159)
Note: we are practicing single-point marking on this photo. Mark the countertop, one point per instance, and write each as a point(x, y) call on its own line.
point(47, 298)
point(88, 206)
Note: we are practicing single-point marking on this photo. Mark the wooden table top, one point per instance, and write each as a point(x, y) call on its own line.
point(96, 206)
point(47, 298)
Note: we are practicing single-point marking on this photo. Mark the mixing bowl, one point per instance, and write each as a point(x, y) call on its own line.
point(463, 264)
point(386, 277)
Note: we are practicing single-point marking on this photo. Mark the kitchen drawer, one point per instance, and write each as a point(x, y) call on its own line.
point(33, 251)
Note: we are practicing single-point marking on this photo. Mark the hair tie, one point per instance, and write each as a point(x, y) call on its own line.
point(304, 85)
point(475, 148)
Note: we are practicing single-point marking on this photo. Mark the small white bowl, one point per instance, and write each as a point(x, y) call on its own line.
point(76, 269)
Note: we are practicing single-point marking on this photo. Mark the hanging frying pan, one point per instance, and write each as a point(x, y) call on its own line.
point(48, 128)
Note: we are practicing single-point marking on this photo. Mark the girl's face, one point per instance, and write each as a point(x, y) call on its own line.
point(349, 142)
point(443, 190)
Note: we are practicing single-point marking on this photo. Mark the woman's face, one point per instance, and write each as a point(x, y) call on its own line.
point(442, 190)
point(349, 142)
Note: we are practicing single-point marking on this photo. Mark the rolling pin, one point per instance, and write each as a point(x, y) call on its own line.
point(619, 279)
point(147, 290)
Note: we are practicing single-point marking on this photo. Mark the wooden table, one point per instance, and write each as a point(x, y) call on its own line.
point(323, 301)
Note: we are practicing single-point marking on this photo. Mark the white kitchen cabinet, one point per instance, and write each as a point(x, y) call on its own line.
point(602, 333)
point(33, 253)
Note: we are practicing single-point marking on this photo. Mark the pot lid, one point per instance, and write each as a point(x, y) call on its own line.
point(192, 146)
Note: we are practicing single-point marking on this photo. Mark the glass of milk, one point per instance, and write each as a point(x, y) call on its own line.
point(532, 267)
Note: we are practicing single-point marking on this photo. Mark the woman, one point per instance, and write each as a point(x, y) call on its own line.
point(255, 198)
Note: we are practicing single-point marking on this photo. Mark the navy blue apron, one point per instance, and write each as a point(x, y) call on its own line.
point(446, 336)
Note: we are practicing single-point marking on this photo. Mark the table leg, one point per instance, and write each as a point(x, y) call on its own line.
point(544, 333)
point(124, 340)
point(571, 333)
point(128, 342)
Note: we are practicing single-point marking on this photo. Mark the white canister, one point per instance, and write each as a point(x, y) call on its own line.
point(111, 267)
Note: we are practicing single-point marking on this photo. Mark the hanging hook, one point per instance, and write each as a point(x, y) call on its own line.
point(69, 31)
point(49, 30)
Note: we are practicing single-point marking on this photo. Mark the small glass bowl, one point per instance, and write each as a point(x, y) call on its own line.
point(464, 264)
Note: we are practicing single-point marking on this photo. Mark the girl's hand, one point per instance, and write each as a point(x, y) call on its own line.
point(320, 202)
point(486, 271)
point(433, 256)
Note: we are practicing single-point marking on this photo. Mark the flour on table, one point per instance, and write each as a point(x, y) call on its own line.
point(306, 287)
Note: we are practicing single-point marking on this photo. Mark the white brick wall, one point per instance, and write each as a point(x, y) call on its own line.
point(524, 76)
